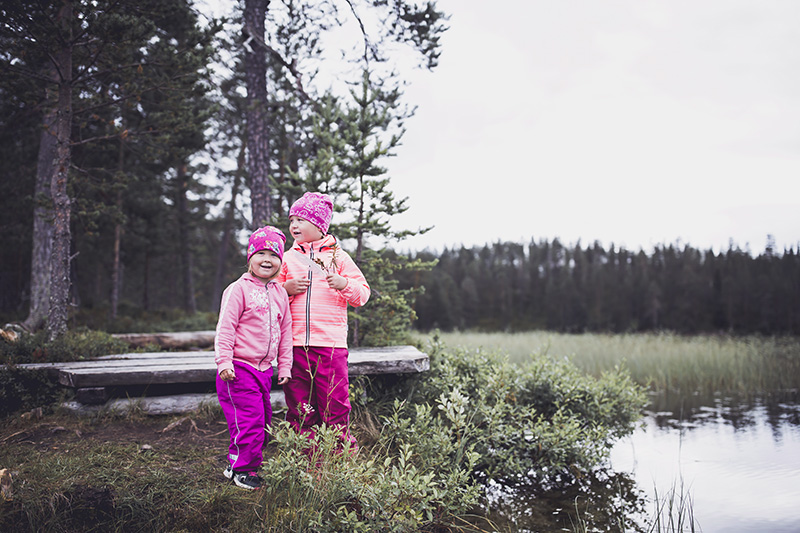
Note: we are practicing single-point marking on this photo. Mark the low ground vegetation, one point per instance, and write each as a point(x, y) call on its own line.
point(430, 445)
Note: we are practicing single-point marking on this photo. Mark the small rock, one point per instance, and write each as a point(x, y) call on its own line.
point(5, 484)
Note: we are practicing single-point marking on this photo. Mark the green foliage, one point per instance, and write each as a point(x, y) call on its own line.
point(542, 421)
point(315, 486)
point(442, 436)
point(350, 142)
point(546, 285)
point(23, 390)
point(141, 109)
point(73, 346)
point(116, 487)
point(386, 318)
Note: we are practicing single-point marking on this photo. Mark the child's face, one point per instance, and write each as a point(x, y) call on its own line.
point(304, 231)
point(265, 265)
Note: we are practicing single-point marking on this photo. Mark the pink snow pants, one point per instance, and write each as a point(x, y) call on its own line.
point(248, 410)
point(319, 391)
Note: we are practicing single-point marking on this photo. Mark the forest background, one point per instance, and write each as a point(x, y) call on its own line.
point(118, 202)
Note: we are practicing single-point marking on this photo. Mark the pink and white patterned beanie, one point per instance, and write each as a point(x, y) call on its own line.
point(266, 238)
point(315, 207)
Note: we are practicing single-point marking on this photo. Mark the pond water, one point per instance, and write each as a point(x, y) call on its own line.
point(738, 462)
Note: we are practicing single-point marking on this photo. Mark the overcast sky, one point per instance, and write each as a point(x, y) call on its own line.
point(632, 122)
point(629, 122)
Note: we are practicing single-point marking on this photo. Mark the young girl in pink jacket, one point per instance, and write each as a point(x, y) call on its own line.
point(254, 329)
point(322, 280)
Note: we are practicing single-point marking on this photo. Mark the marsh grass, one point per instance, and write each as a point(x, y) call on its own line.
point(661, 361)
point(673, 512)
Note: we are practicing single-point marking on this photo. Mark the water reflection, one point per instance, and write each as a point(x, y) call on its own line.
point(777, 410)
point(736, 459)
point(603, 501)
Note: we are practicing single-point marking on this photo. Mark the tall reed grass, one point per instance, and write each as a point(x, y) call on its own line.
point(673, 512)
point(661, 361)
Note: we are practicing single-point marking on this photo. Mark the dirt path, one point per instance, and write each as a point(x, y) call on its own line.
point(150, 433)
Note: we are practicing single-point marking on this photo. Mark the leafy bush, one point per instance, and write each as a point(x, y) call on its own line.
point(74, 345)
point(541, 421)
point(315, 486)
point(25, 390)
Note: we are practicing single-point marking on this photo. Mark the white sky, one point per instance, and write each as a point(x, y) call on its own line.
point(633, 122)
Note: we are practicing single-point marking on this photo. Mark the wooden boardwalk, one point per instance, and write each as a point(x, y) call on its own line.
point(96, 380)
point(199, 367)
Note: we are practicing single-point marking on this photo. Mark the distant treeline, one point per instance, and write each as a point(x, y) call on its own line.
point(548, 285)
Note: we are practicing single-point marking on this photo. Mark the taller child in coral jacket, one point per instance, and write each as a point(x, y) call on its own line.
point(321, 280)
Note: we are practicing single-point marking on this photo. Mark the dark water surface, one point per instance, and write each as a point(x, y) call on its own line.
point(736, 463)
point(739, 462)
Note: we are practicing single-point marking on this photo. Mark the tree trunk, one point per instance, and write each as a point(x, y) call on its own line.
point(116, 280)
point(42, 225)
point(187, 280)
point(146, 282)
point(59, 267)
point(257, 116)
point(227, 230)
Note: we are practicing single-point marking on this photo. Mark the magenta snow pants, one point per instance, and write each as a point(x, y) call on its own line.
point(319, 391)
point(248, 410)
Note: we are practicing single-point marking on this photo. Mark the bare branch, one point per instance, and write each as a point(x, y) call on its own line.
point(363, 33)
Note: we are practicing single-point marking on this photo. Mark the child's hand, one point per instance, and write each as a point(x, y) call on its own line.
point(283, 381)
point(296, 286)
point(335, 281)
point(227, 375)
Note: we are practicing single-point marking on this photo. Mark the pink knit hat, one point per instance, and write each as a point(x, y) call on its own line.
point(266, 238)
point(315, 207)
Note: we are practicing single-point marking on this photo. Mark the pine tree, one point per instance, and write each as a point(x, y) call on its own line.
point(86, 53)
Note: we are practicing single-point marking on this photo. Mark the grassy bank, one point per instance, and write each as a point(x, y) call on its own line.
point(141, 473)
point(430, 443)
point(660, 361)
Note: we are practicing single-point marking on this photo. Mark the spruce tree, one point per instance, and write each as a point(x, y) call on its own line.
point(96, 57)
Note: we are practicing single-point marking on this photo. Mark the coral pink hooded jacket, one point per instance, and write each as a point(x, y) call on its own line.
point(319, 315)
point(255, 326)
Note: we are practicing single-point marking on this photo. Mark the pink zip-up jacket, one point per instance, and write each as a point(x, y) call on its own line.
point(319, 315)
point(255, 326)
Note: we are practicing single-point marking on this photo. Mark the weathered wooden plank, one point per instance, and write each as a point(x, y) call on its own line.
point(164, 405)
point(171, 340)
point(154, 355)
point(151, 375)
point(198, 367)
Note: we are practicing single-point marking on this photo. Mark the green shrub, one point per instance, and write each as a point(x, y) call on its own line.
point(541, 421)
point(315, 486)
point(74, 345)
point(23, 390)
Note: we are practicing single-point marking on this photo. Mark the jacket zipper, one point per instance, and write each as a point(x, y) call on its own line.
point(308, 297)
point(269, 326)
